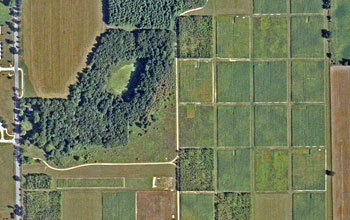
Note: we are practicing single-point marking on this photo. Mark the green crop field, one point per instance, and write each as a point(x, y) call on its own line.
point(307, 81)
point(309, 169)
point(195, 81)
point(270, 125)
point(234, 170)
point(196, 126)
point(312, 6)
point(309, 206)
point(307, 41)
point(235, 206)
point(270, 37)
point(340, 29)
point(233, 125)
point(270, 82)
point(270, 6)
point(7, 171)
point(197, 206)
point(271, 170)
point(139, 183)
point(272, 207)
point(233, 81)
point(75, 183)
point(42, 205)
point(119, 205)
point(308, 125)
point(232, 37)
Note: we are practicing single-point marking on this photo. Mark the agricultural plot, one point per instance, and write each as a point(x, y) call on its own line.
point(233, 81)
point(86, 183)
point(233, 125)
point(270, 82)
point(270, 37)
point(306, 39)
point(195, 81)
point(235, 206)
point(139, 183)
point(309, 169)
point(307, 81)
point(309, 206)
point(7, 104)
point(308, 125)
point(232, 37)
point(270, 6)
point(156, 205)
point(7, 171)
point(234, 170)
point(271, 170)
point(272, 206)
point(43, 206)
point(196, 126)
point(270, 125)
point(312, 6)
point(197, 206)
point(119, 205)
point(340, 31)
point(224, 7)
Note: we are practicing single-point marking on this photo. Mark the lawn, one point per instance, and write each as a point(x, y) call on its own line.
point(272, 207)
point(232, 37)
point(270, 82)
point(271, 170)
point(44, 206)
point(270, 125)
point(155, 205)
point(197, 206)
point(195, 81)
point(309, 206)
point(308, 81)
point(311, 6)
point(270, 6)
point(340, 29)
point(196, 126)
point(270, 37)
point(7, 104)
point(119, 77)
point(233, 125)
point(233, 170)
point(307, 41)
point(309, 169)
point(7, 171)
point(233, 81)
point(76, 183)
point(118, 205)
point(235, 206)
point(308, 125)
point(4, 13)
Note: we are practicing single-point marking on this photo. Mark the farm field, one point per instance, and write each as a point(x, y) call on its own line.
point(224, 7)
point(309, 206)
point(156, 205)
point(7, 104)
point(270, 6)
point(43, 205)
point(7, 171)
point(279, 203)
point(119, 205)
point(312, 6)
point(53, 68)
point(197, 206)
point(233, 206)
point(86, 183)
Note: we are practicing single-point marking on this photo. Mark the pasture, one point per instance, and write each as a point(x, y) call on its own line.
point(156, 205)
point(309, 206)
point(270, 82)
point(270, 6)
point(308, 81)
point(87, 183)
point(233, 125)
point(197, 206)
point(118, 205)
point(312, 6)
point(234, 170)
point(57, 37)
point(233, 81)
point(7, 171)
point(272, 206)
point(232, 37)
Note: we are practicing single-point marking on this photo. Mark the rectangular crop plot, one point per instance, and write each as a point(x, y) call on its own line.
point(307, 81)
point(236, 206)
point(196, 126)
point(195, 81)
point(233, 81)
point(309, 169)
point(78, 182)
point(139, 183)
point(270, 37)
point(270, 125)
point(232, 37)
point(197, 206)
point(308, 125)
point(270, 82)
point(270, 6)
point(271, 170)
point(310, 6)
point(119, 205)
point(272, 207)
point(307, 41)
point(156, 205)
point(233, 125)
point(234, 170)
point(309, 206)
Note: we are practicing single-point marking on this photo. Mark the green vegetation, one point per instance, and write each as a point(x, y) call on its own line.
point(197, 206)
point(308, 125)
point(272, 206)
point(37, 181)
point(120, 205)
point(309, 206)
point(234, 170)
point(270, 125)
point(235, 206)
point(42, 205)
point(194, 36)
point(233, 81)
point(195, 81)
point(270, 82)
point(232, 37)
point(196, 126)
point(270, 36)
point(311, 6)
point(119, 77)
point(271, 170)
point(111, 182)
point(4, 13)
point(309, 169)
point(7, 172)
point(196, 169)
point(270, 6)
point(139, 183)
point(307, 81)
point(307, 41)
point(234, 126)
point(225, 7)
point(340, 29)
